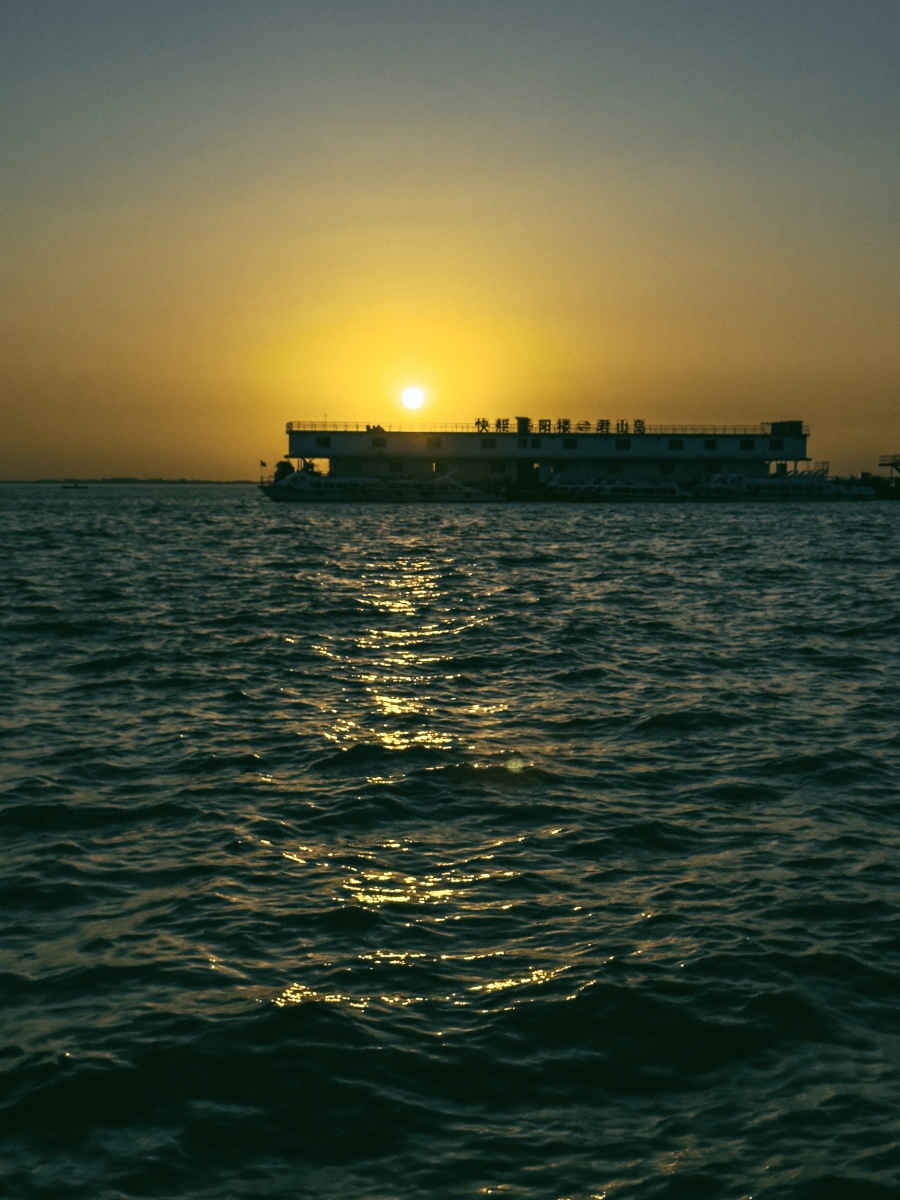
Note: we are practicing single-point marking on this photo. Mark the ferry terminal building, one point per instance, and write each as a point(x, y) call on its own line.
point(524, 452)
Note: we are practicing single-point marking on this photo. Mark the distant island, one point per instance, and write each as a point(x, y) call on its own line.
point(129, 479)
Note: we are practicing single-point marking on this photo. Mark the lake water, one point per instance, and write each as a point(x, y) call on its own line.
point(389, 853)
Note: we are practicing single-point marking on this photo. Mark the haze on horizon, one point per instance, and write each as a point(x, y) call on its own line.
point(217, 217)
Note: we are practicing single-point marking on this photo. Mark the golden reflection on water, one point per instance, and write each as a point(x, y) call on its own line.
point(536, 975)
point(297, 993)
point(370, 888)
point(395, 887)
point(451, 891)
point(405, 592)
point(395, 673)
point(396, 661)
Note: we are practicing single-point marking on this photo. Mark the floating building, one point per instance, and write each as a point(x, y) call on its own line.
point(520, 459)
point(526, 452)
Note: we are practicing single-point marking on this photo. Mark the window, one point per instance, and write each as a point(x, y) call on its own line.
point(623, 443)
point(433, 443)
point(570, 443)
point(489, 443)
point(776, 444)
point(676, 443)
point(323, 441)
point(710, 444)
point(748, 444)
point(523, 443)
point(379, 441)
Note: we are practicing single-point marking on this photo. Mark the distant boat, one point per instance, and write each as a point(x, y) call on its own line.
point(74, 483)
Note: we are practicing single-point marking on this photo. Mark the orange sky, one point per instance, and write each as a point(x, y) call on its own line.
point(217, 222)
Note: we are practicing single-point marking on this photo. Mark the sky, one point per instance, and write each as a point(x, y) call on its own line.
point(217, 217)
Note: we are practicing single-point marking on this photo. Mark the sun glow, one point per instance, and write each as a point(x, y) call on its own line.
point(413, 397)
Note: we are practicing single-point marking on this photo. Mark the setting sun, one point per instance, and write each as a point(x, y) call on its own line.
point(413, 397)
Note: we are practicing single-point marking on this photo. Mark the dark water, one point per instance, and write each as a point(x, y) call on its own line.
point(385, 853)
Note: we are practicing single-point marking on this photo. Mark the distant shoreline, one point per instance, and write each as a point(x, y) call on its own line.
point(106, 482)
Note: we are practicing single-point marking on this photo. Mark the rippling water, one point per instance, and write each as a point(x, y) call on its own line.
point(516, 851)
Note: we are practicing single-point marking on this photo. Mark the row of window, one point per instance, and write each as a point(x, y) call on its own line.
point(353, 466)
point(497, 467)
point(568, 443)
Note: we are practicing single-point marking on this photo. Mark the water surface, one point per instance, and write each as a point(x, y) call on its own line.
point(537, 852)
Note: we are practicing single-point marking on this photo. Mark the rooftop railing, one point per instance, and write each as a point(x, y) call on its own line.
point(362, 427)
point(574, 427)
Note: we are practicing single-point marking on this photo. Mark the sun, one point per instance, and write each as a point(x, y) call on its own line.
point(413, 397)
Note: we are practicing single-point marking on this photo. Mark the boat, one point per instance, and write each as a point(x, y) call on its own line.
point(555, 461)
point(308, 485)
point(788, 485)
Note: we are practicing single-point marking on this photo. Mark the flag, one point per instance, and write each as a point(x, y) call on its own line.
point(262, 464)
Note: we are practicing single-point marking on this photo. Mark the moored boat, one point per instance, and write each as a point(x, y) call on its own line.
point(306, 485)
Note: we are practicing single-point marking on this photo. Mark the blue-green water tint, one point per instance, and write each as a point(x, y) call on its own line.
point(389, 853)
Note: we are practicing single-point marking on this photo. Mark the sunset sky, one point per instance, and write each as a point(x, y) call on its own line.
point(221, 216)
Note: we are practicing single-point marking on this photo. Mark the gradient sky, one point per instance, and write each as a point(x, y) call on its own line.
point(220, 216)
